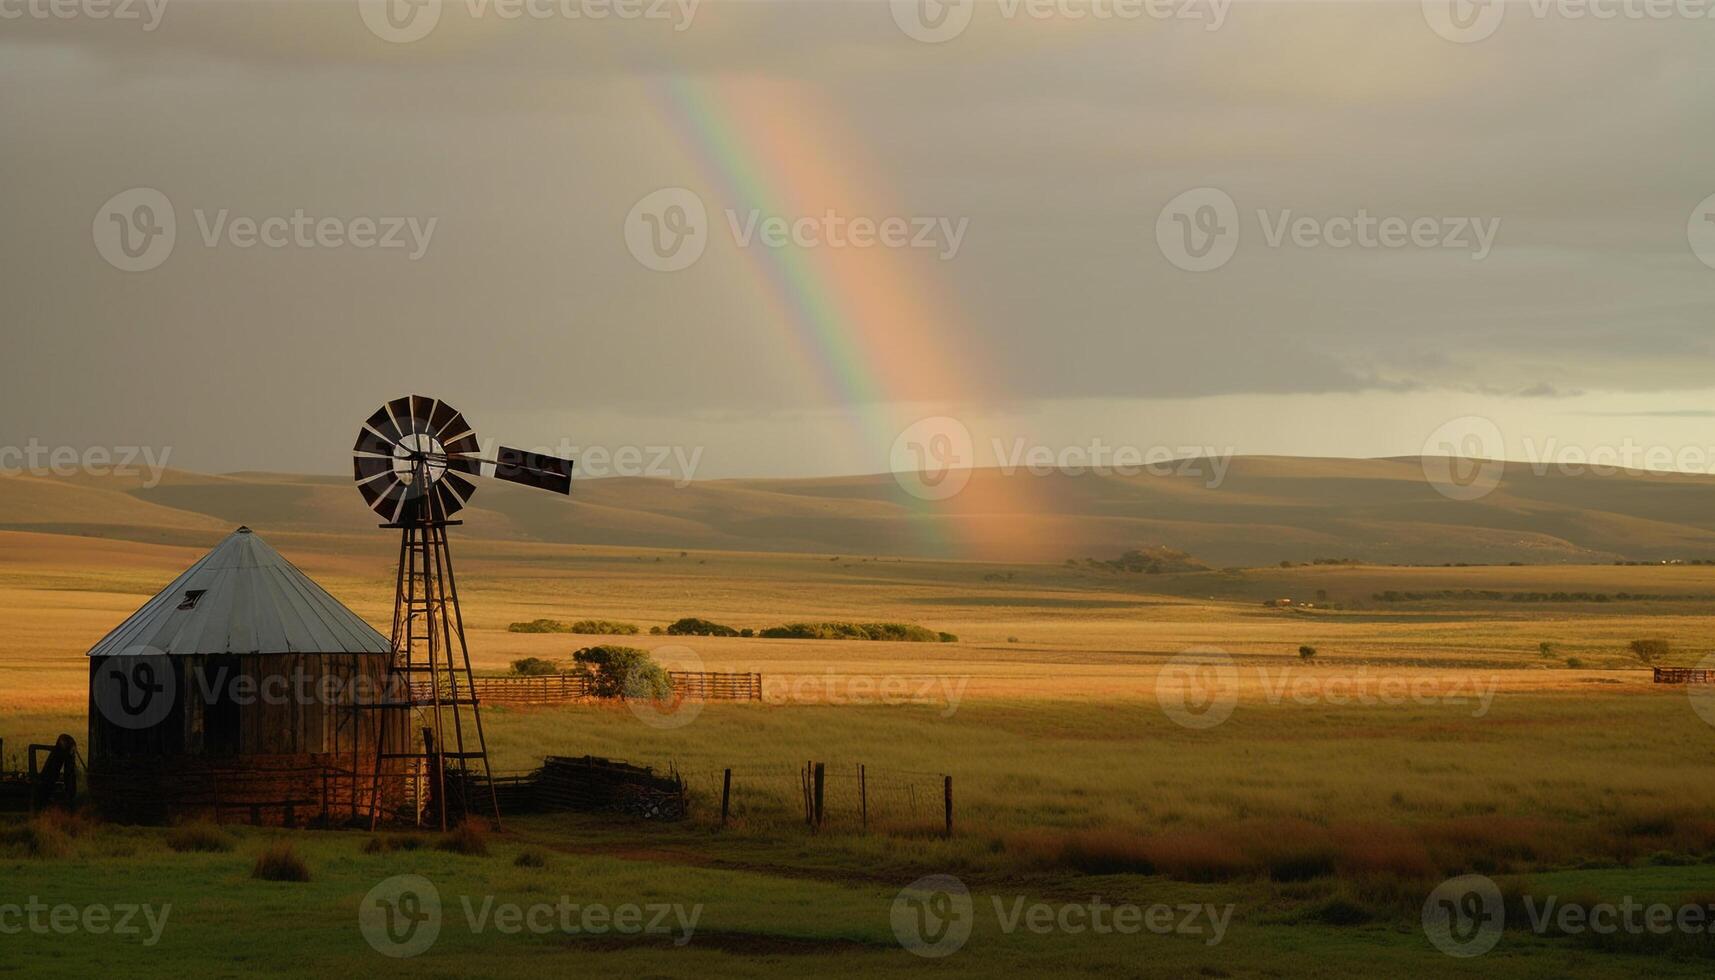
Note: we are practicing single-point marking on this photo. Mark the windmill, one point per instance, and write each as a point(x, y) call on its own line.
point(413, 461)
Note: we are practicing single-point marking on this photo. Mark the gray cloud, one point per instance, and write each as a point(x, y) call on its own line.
point(1059, 143)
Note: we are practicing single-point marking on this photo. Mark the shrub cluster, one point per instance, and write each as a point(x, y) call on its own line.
point(692, 626)
point(585, 627)
point(539, 626)
point(900, 632)
point(905, 632)
point(1152, 560)
point(602, 627)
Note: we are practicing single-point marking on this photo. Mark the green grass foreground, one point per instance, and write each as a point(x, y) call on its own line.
point(764, 905)
point(1324, 828)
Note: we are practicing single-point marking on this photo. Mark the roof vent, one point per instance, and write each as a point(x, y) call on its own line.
point(191, 597)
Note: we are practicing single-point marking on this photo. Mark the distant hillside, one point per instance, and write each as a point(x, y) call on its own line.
point(1266, 510)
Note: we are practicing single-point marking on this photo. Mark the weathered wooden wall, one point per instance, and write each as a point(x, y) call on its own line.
point(266, 735)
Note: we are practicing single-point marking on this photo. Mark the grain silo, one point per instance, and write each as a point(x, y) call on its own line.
point(239, 693)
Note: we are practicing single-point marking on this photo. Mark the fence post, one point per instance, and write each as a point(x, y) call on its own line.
point(726, 795)
point(949, 796)
point(863, 796)
point(821, 774)
point(804, 785)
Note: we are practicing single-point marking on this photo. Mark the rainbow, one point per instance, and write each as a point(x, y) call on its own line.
point(865, 323)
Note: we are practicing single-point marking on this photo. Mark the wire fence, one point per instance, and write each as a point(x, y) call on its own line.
point(821, 795)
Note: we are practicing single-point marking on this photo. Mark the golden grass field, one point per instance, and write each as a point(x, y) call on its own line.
point(1069, 654)
point(1428, 738)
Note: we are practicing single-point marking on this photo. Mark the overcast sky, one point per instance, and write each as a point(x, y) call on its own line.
point(1538, 254)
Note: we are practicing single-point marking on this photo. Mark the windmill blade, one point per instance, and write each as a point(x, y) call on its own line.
point(366, 468)
point(382, 495)
point(441, 417)
point(465, 445)
point(383, 423)
point(463, 455)
point(449, 501)
point(372, 444)
point(393, 503)
point(422, 409)
point(461, 486)
point(534, 470)
point(400, 408)
point(455, 430)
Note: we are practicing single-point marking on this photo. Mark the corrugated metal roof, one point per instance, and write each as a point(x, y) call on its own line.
point(252, 601)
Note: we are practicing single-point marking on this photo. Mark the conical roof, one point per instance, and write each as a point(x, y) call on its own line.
point(242, 598)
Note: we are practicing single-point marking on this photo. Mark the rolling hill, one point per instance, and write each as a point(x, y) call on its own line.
point(1266, 510)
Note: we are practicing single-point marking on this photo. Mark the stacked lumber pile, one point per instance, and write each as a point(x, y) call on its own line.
point(592, 784)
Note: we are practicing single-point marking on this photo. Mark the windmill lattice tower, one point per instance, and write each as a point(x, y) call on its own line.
point(411, 461)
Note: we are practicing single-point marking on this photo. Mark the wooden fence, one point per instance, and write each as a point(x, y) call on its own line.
point(550, 689)
point(705, 686)
point(1684, 675)
point(566, 688)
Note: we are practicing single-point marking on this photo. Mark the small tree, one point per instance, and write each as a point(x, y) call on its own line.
point(622, 672)
point(1306, 653)
point(1649, 651)
point(534, 667)
point(1545, 648)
